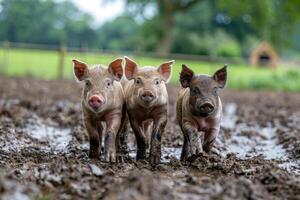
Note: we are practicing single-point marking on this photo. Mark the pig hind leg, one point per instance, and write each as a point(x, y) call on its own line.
point(185, 149)
point(99, 130)
point(122, 138)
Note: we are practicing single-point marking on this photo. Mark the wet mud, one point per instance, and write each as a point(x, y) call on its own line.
point(44, 150)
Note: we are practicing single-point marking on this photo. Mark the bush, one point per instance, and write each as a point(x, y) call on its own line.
point(218, 44)
point(225, 45)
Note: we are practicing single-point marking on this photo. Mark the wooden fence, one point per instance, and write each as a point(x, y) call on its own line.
point(62, 52)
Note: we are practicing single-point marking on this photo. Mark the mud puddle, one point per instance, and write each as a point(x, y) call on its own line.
point(43, 145)
point(247, 141)
point(42, 135)
point(50, 133)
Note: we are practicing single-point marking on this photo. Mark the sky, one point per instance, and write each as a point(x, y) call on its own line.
point(101, 10)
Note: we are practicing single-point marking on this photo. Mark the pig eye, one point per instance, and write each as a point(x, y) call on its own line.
point(157, 82)
point(87, 83)
point(108, 83)
point(195, 91)
point(215, 90)
point(138, 81)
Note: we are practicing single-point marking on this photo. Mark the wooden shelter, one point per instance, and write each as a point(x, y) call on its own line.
point(263, 55)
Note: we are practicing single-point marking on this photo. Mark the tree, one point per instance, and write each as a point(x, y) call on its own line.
point(45, 22)
point(119, 34)
point(165, 18)
point(271, 20)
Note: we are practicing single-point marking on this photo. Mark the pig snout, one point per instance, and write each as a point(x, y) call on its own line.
point(147, 96)
point(96, 101)
point(206, 107)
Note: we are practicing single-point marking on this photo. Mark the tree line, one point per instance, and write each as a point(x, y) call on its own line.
point(204, 27)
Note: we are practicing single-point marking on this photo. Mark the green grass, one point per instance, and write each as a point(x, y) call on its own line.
point(44, 64)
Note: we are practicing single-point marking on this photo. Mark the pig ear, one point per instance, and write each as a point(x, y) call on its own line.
point(165, 69)
point(130, 68)
point(80, 69)
point(221, 76)
point(186, 76)
point(115, 68)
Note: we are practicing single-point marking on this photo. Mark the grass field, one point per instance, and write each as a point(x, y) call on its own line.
point(44, 64)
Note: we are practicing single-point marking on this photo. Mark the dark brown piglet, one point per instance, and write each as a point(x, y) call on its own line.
point(102, 102)
point(147, 102)
point(199, 110)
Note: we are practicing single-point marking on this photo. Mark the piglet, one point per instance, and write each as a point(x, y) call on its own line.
point(147, 102)
point(199, 110)
point(102, 101)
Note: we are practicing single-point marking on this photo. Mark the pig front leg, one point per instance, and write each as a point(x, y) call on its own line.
point(155, 148)
point(113, 125)
point(141, 140)
point(95, 132)
point(209, 139)
point(192, 144)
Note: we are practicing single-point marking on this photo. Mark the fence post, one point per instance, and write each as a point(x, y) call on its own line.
point(5, 61)
point(61, 64)
point(83, 49)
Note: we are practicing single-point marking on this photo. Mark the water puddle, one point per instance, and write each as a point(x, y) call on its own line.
point(250, 141)
point(244, 140)
point(229, 118)
point(169, 152)
point(57, 138)
point(38, 134)
point(291, 166)
point(247, 141)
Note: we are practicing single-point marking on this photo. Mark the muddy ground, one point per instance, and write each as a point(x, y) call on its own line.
point(43, 150)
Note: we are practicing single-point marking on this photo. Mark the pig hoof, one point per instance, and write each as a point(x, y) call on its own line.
point(120, 159)
point(110, 156)
point(93, 154)
point(141, 155)
point(154, 159)
point(194, 153)
point(191, 158)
